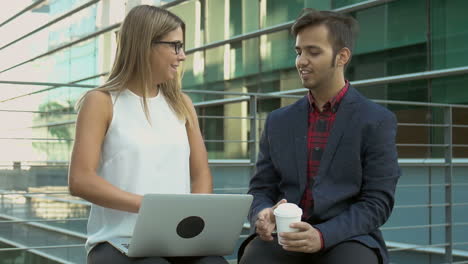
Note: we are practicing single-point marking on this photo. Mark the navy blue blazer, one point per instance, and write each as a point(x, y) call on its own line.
point(354, 189)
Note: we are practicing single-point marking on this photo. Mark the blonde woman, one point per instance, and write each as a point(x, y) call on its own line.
point(136, 134)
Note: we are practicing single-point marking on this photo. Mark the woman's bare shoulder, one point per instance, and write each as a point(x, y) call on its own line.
point(97, 104)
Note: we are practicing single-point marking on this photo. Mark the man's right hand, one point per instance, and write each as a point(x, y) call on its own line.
point(266, 223)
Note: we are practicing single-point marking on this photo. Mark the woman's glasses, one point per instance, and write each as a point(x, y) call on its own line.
point(178, 46)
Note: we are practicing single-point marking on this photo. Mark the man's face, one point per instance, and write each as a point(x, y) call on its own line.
point(315, 59)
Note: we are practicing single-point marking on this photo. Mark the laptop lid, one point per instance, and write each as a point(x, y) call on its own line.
point(189, 224)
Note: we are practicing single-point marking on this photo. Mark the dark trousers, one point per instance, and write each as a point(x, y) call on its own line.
point(105, 253)
point(258, 251)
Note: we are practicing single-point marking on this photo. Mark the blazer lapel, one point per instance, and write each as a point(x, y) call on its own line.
point(298, 123)
point(343, 121)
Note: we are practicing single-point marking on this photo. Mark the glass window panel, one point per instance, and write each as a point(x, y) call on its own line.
point(236, 129)
point(449, 38)
point(449, 33)
point(235, 17)
point(250, 15)
point(83, 60)
point(244, 57)
point(450, 90)
point(269, 84)
point(193, 70)
point(71, 28)
point(268, 105)
point(70, 64)
point(211, 129)
point(190, 12)
point(277, 51)
point(409, 91)
point(57, 106)
point(397, 24)
point(243, 16)
point(215, 21)
point(319, 4)
point(407, 23)
point(406, 59)
point(280, 11)
point(13, 8)
point(402, 91)
point(343, 3)
point(372, 30)
point(214, 68)
point(34, 18)
point(395, 61)
point(56, 151)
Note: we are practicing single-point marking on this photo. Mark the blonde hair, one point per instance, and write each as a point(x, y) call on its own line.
point(142, 26)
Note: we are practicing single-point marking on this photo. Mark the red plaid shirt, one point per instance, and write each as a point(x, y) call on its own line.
point(319, 127)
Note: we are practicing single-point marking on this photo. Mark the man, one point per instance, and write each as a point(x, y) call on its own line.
point(336, 158)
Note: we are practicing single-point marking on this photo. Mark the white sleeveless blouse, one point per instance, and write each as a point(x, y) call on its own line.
point(140, 158)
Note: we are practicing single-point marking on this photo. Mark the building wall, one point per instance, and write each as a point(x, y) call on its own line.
point(401, 37)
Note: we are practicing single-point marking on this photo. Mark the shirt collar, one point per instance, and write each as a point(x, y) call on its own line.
point(333, 103)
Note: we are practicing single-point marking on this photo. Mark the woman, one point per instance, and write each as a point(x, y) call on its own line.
point(136, 134)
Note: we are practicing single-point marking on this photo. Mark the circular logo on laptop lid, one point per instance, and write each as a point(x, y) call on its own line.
point(190, 227)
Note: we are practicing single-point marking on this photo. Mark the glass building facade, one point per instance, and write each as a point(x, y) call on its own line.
point(52, 51)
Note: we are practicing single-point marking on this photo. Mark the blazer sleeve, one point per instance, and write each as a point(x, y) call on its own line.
point(264, 183)
point(380, 173)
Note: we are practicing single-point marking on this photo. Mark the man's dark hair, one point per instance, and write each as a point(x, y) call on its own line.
point(342, 29)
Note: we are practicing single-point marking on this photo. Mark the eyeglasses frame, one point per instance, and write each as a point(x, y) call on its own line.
point(178, 45)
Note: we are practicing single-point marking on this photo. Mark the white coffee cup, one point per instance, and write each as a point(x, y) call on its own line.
point(286, 214)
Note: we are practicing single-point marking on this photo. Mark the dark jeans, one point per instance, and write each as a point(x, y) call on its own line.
point(105, 253)
point(258, 251)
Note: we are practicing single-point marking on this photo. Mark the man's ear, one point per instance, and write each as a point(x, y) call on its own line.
point(343, 57)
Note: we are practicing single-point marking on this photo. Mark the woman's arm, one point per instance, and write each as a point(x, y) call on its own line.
point(91, 127)
point(200, 175)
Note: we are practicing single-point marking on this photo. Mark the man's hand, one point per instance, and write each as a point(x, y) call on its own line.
point(307, 240)
point(266, 223)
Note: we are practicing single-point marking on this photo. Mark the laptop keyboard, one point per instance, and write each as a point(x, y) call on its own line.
point(125, 245)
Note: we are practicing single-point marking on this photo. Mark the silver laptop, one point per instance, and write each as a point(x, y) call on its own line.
point(186, 225)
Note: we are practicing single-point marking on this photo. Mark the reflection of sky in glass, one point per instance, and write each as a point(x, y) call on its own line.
point(58, 219)
point(22, 131)
point(63, 31)
point(46, 203)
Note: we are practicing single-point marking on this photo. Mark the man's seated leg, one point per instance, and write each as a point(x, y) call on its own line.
point(349, 252)
point(269, 252)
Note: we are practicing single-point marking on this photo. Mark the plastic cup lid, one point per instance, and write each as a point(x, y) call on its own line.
point(287, 210)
